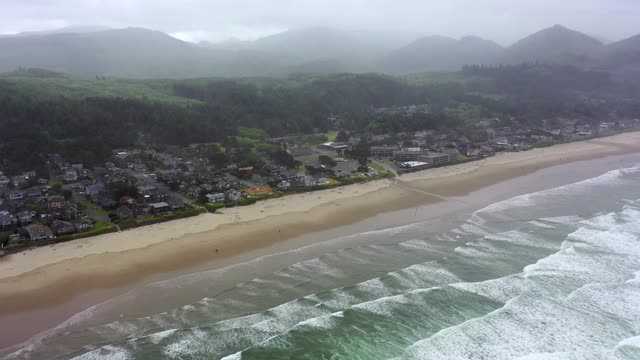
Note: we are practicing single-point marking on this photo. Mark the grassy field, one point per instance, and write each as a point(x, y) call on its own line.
point(376, 166)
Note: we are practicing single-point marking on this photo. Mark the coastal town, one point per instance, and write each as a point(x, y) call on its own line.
point(63, 201)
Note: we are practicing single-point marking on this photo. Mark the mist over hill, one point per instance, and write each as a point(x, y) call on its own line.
point(141, 53)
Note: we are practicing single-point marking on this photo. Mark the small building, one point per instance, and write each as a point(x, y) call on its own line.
point(216, 198)
point(61, 228)
point(160, 208)
point(39, 232)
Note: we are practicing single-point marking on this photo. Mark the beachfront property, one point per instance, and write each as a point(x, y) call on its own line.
point(407, 154)
point(39, 232)
point(414, 165)
point(216, 198)
point(161, 208)
point(382, 151)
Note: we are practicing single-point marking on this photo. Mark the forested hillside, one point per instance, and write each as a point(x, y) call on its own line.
point(87, 128)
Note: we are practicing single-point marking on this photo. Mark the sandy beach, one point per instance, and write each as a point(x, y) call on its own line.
point(41, 277)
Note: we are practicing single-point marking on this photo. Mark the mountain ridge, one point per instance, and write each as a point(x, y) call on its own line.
point(143, 53)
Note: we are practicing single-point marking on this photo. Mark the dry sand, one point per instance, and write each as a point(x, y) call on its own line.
point(44, 276)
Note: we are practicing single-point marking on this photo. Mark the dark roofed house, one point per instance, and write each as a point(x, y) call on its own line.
point(94, 189)
point(25, 217)
point(7, 221)
point(33, 192)
point(149, 193)
point(176, 203)
point(39, 232)
point(160, 208)
point(83, 225)
point(125, 213)
point(60, 228)
point(69, 212)
point(106, 200)
point(15, 195)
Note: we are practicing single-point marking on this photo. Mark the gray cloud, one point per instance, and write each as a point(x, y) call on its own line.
point(502, 20)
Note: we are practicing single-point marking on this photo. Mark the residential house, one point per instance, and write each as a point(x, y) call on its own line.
point(15, 195)
point(194, 191)
point(16, 239)
point(70, 176)
point(7, 221)
point(55, 202)
point(215, 198)
point(125, 213)
point(4, 180)
point(25, 217)
point(257, 178)
point(176, 203)
point(60, 228)
point(94, 189)
point(149, 193)
point(33, 192)
point(234, 195)
point(140, 168)
point(69, 212)
point(83, 225)
point(105, 199)
point(160, 208)
point(39, 232)
point(283, 185)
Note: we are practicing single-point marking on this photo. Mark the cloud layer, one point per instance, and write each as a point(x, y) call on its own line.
point(502, 20)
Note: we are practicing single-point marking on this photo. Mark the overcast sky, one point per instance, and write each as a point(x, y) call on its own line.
point(501, 20)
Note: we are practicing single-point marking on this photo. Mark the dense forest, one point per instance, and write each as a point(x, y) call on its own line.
point(87, 129)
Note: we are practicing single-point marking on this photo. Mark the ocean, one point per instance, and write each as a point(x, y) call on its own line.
point(550, 275)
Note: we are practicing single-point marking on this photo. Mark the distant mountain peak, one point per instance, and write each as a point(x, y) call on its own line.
point(556, 44)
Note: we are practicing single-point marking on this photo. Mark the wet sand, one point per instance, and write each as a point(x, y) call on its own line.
point(44, 277)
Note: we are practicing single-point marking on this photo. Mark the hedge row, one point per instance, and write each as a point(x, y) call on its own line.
point(130, 224)
point(65, 238)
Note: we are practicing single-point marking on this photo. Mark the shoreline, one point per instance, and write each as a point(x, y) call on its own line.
point(55, 274)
